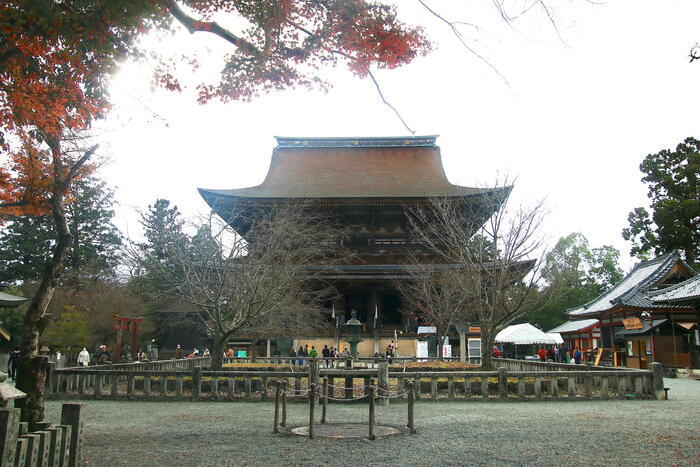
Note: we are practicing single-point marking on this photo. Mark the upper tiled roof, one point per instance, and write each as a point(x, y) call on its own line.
point(683, 291)
point(632, 290)
point(573, 326)
point(400, 167)
point(7, 300)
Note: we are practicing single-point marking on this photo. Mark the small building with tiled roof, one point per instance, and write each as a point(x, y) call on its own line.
point(621, 310)
point(583, 334)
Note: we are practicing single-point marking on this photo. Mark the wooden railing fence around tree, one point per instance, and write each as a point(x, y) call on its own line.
point(508, 382)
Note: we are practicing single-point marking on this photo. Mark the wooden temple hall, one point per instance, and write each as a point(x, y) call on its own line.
point(366, 185)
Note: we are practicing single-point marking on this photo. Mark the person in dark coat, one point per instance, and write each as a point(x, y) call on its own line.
point(326, 353)
point(13, 363)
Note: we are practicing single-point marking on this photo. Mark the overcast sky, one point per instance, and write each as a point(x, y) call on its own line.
point(579, 113)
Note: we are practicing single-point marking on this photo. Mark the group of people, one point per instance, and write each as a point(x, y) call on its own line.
point(179, 353)
point(300, 356)
point(559, 355)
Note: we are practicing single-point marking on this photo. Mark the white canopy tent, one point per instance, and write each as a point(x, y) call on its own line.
point(525, 334)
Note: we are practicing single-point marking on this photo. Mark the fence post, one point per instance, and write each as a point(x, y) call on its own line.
point(657, 381)
point(196, 382)
point(50, 377)
point(277, 407)
point(372, 392)
point(312, 394)
point(502, 383)
point(71, 416)
point(324, 400)
point(384, 380)
point(285, 383)
point(314, 372)
point(411, 401)
point(9, 428)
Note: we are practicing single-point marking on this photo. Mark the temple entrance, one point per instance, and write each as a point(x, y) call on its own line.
point(391, 305)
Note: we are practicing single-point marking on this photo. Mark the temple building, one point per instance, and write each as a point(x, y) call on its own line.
point(367, 185)
point(650, 315)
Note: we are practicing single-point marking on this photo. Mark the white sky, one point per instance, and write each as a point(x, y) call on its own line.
point(574, 125)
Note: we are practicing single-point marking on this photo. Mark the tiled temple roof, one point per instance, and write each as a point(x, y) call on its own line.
point(387, 167)
point(633, 289)
point(684, 291)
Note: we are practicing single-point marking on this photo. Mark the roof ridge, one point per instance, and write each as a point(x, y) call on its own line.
point(673, 287)
point(665, 265)
point(638, 266)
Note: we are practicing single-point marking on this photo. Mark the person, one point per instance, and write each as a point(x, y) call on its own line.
point(59, 359)
point(12, 364)
point(206, 352)
point(390, 351)
point(103, 357)
point(84, 357)
point(292, 356)
point(229, 352)
point(577, 356)
point(300, 354)
point(142, 357)
point(496, 353)
point(552, 354)
point(561, 354)
point(334, 354)
point(313, 353)
point(326, 352)
point(542, 354)
point(178, 352)
point(194, 354)
point(346, 352)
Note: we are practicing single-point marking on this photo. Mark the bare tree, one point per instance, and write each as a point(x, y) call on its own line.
point(489, 273)
point(255, 285)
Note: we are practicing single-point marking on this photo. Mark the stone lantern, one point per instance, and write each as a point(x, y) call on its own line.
point(352, 328)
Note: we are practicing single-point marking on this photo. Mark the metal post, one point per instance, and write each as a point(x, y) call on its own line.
point(284, 403)
point(312, 392)
point(411, 402)
point(372, 393)
point(324, 400)
point(277, 408)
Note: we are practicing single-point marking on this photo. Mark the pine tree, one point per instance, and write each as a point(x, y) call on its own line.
point(672, 177)
point(26, 241)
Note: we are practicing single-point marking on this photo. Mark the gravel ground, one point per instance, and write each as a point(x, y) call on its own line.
point(584, 433)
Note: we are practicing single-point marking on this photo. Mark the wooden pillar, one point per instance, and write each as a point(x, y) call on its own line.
point(657, 379)
point(384, 380)
point(267, 348)
point(462, 347)
point(71, 415)
point(9, 428)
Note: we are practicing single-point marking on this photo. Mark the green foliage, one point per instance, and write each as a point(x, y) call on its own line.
point(26, 241)
point(574, 274)
point(674, 193)
point(70, 332)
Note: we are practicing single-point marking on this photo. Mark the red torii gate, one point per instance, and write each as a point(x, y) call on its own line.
point(125, 324)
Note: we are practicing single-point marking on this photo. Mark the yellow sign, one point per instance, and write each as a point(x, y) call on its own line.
point(632, 323)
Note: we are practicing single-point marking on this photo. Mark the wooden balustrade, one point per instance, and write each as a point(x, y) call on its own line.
point(505, 384)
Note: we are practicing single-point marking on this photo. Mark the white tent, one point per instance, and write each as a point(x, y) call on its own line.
point(526, 333)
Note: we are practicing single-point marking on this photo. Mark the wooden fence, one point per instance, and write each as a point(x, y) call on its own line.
point(45, 445)
point(199, 383)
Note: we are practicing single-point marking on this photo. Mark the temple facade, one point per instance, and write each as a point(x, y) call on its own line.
point(366, 185)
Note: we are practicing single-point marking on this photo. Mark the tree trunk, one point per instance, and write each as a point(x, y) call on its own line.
point(217, 352)
point(31, 372)
point(487, 338)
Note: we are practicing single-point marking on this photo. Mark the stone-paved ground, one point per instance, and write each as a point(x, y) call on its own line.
point(238, 433)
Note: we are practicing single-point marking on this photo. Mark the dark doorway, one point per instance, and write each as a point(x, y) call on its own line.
point(358, 303)
point(391, 310)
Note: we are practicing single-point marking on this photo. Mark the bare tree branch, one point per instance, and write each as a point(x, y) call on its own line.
point(381, 95)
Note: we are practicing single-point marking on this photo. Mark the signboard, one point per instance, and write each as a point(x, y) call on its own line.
point(427, 330)
point(632, 323)
point(422, 349)
point(446, 351)
point(474, 330)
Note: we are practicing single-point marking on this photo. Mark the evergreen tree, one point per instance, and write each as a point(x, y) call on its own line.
point(672, 177)
point(574, 274)
point(26, 241)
